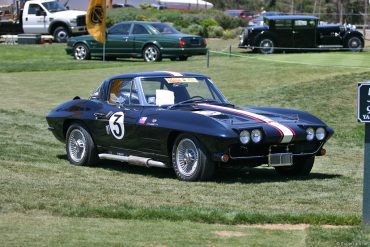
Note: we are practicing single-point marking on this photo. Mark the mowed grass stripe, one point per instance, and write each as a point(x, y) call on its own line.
point(40, 229)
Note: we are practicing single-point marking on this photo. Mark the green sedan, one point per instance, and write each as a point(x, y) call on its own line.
point(149, 40)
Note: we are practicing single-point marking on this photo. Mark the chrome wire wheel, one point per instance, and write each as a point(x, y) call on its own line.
point(187, 157)
point(151, 54)
point(81, 52)
point(77, 145)
point(266, 46)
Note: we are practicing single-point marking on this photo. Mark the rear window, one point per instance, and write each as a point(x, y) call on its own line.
point(304, 23)
point(163, 28)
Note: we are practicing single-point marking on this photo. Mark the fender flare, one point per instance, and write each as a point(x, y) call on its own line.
point(264, 34)
point(350, 34)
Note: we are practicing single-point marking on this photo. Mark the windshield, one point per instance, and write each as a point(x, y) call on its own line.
point(162, 28)
point(173, 90)
point(54, 6)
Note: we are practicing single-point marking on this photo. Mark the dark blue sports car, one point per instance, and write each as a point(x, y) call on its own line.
point(181, 120)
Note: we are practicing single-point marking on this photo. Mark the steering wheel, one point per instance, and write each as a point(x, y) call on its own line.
point(196, 97)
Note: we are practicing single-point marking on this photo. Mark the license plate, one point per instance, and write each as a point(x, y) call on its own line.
point(280, 159)
point(195, 41)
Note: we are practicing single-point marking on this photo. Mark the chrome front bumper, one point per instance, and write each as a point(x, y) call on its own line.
point(79, 29)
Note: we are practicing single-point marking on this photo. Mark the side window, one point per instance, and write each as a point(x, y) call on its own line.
point(139, 29)
point(283, 24)
point(120, 29)
point(33, 8)
point(122, 88)
point(304, 23)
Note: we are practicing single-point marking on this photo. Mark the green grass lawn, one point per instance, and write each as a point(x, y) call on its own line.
point(46, 201)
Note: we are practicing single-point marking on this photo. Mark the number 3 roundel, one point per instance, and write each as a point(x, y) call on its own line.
point(116, 125)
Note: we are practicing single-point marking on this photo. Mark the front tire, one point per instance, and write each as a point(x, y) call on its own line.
point(190, 159)
point(302, 166)
point(151, 53)
point(61, 34)
point(80, 147)
point(266, 46)
point(81, 52)
point(354, 43)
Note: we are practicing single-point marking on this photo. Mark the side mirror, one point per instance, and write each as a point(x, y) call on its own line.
point(40, 13)
point(67, 7)
point(120, 101)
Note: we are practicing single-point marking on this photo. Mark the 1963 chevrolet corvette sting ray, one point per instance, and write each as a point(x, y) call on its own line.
point(181, 120)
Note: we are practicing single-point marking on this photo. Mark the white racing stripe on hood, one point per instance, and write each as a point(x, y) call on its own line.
point(286, 133)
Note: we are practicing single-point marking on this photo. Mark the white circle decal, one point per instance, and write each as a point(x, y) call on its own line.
point(116, 125)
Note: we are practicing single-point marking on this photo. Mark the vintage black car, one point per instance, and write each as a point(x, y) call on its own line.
point(181, 120)
point(299, 33)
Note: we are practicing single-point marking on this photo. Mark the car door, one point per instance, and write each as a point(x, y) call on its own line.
point(304, 32)
point(118, 39)
point(284, 33)
point(35, 20)
point(116, 122)
point(140, 35)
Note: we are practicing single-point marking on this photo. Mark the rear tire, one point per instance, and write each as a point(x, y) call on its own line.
point(80, 147)
point(190, 159)
point(61, 34)
point(151, 53)
point(302, 166)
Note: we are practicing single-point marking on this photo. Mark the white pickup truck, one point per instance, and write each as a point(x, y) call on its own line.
point(46, 17)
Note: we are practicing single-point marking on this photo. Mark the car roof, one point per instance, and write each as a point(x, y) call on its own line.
point(235, 10)
point(156, 74)
point(142, 22)
point(291, 17)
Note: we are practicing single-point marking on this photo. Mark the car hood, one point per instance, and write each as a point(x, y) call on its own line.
point(329, 27)
point(281, 124)
point(82, 37)
point(258, 27)
point(243, 116)
point(68, 14)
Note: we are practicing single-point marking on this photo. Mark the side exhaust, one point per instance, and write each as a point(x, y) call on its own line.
point(134, 160)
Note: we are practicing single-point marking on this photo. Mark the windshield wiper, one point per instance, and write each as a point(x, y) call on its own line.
point(194, 99)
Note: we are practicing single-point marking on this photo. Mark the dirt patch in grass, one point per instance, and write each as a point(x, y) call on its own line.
point(229, 234)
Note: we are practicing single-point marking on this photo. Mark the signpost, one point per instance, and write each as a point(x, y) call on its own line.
point(363, 116)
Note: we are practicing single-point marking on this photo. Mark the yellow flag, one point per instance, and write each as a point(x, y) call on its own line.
point(95, 19)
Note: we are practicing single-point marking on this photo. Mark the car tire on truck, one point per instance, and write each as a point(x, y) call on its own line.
point(61, 34)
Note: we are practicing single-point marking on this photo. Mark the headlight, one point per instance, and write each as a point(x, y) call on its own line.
point(74, 21)
point(320, 134)
point(256, 136)
point(245, 137)
point(310, 134)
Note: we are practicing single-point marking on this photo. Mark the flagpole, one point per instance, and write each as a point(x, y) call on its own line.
point(104, 52)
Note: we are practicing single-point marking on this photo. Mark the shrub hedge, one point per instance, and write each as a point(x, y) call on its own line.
point(207, 23)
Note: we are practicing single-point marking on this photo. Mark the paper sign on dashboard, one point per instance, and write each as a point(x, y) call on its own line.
point(164, 97)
